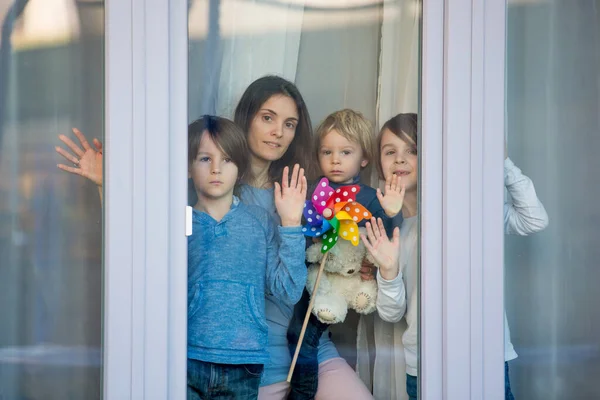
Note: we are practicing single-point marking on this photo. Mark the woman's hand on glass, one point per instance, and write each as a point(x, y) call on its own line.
point(290, 196)
point(87, 161)
point(386, 253)
point(393, 199)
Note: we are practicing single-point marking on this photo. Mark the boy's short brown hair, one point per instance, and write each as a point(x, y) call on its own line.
point(226, 135)
point(353, 126)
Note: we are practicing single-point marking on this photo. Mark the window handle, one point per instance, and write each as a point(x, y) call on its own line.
point(188, 221)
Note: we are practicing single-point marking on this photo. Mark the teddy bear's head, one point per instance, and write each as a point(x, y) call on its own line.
point(344, 258)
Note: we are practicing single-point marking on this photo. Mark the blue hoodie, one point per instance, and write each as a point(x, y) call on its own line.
point(231, 265)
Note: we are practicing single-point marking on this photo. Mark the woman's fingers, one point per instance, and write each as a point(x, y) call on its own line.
point(297, 177)
point(98, 145)
point(300, 178)
point(295, 173)
point(67, 155)
point(277, 190)
point(82, 139)
point(304, 187)
point(285, 178)
point(72, 170)
point(70, 144)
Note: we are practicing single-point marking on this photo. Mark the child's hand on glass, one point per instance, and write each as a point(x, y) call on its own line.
point(87, 162)
point(392, 200)
point(290, 196)
point(386, 253)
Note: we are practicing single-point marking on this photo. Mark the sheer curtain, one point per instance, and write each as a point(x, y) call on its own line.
point(234, 42)
point(399, 60)
point(398, 92)
point(361, 54)
point(553, 123)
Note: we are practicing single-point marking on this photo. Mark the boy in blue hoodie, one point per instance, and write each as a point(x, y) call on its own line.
point(233, 260)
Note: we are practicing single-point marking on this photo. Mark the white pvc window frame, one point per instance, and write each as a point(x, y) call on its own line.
point(145, 278)
point(462, 125)
point(462, 152)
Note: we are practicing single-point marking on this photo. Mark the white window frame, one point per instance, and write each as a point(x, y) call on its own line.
point(145, 278)
point(145, 258)
point(462, 112)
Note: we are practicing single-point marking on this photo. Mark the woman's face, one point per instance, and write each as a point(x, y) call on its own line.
point(273, 128)
point(399, 157)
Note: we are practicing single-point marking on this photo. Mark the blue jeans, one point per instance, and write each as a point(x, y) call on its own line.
point(305, 379)
point(411, 386)
point(222, 381)
point(507, 392)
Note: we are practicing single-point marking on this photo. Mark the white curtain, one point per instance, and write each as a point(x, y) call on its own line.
point(397, 92)
point(234, 42)
point(340, 53)
point(399, 67)
point(261, 39)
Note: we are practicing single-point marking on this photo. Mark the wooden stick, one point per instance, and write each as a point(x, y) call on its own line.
point(306, 318)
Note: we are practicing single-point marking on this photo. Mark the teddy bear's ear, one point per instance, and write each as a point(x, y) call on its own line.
point(313, 253)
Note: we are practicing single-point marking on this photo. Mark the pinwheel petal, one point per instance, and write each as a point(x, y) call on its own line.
point(316, 231)
point(357, 211)
point(346, 193)
point(329, 240)
point(321, 194)
point(311, 215)
point(349, 231)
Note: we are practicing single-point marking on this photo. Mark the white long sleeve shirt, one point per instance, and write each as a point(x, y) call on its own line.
point(396, 337)
point(394, 324)
point(524, 214)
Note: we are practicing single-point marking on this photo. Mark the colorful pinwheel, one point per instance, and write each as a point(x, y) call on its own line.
point(333, 213)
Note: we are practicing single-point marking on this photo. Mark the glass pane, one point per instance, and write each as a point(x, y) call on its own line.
point(322, 57)
point(553, 98)
point(51, 79)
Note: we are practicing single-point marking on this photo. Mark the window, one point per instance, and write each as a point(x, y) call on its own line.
point(360, 55)
point(51, 79)
point(552, 135)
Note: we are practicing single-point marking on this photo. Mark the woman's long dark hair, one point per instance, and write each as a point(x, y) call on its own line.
point(252, 100)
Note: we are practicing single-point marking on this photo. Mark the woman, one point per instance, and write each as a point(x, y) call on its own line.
point(277, 124)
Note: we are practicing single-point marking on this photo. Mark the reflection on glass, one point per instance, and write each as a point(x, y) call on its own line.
point(356, 54)
point(51, 78)
point(553, 98)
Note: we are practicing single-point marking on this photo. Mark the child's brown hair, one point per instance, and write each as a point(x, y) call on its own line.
point(227, 136)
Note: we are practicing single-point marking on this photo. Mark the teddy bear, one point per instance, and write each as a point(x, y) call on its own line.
point(341, 286)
